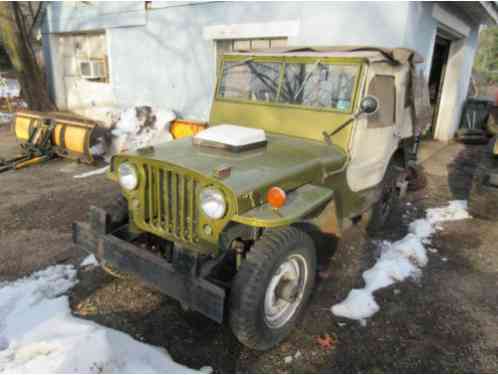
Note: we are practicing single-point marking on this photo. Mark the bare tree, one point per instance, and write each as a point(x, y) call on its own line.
point(18, 24)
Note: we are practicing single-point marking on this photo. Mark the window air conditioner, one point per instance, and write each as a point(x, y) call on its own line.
point(91, 69)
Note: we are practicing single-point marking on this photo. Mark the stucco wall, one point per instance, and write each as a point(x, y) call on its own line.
point(162, 57)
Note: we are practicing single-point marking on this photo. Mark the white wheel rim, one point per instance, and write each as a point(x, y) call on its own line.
point(293, 272)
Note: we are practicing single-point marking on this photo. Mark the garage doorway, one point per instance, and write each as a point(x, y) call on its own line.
point(437, 75)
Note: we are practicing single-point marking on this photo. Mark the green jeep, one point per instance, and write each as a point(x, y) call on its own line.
point(301, 145)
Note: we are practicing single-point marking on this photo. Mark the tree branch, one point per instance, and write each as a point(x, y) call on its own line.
point(35, 19)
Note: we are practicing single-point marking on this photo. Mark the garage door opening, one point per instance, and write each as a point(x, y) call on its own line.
point(437, 75)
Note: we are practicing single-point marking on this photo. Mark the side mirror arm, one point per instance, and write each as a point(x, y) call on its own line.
point(327, 136)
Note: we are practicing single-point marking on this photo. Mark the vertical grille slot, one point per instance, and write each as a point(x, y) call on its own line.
point(170, 203)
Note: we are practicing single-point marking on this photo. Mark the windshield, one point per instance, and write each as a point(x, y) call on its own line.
point(316, 84)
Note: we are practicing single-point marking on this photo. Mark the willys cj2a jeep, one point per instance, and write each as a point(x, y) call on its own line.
point(302, 144)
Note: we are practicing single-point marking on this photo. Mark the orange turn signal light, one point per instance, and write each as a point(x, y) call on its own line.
point(186, 128)
point(276, 197)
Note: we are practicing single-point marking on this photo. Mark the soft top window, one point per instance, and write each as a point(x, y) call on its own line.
point(316, 84)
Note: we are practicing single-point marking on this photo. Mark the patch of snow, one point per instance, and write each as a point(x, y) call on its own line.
point(93, 173)
point(288, 359)
point(39, 334)
point(422, 228)
point(456, 210)
point(359, 304)
point(89, 261)
point(138, 127)
point(400, 260)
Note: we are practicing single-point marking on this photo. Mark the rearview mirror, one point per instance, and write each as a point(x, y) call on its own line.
point(369, 105)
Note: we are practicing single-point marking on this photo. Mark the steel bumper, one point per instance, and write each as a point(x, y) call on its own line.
point(194, 291)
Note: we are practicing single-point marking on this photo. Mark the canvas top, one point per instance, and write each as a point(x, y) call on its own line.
point(371, 53)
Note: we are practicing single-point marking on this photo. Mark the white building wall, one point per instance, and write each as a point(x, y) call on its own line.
point(165, 56)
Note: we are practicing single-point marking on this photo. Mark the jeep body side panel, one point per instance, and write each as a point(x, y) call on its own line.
point(377, 137)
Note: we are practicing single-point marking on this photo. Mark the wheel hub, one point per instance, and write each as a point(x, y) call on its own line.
point(285, 291)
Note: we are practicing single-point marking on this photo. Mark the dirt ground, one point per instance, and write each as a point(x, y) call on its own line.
point(445, 322)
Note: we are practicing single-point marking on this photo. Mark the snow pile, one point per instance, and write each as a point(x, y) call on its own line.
point(89, 261)
point(134, 128)
point(398, 261)
point(39, 334)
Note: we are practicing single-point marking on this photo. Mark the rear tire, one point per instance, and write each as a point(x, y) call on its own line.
point(382, 212)
point(272, 287)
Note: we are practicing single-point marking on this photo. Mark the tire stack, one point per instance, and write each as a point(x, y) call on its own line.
point(473, 125)
point(483, 199)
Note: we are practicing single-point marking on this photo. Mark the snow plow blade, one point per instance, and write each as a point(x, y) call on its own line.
point(70, 137)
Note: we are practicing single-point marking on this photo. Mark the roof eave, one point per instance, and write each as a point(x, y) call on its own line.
point(491, 11)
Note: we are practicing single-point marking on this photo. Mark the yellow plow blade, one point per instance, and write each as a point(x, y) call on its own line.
point(71, 135)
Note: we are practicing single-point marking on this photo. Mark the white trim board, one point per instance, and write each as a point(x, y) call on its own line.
point(450, 21)
point(252, 30)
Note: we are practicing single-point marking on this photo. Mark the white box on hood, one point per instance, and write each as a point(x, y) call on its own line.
point(231, 135)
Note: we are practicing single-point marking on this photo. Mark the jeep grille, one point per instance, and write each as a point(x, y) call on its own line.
point(170, 203)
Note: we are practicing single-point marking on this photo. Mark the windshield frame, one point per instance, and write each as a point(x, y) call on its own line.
point(353, 61)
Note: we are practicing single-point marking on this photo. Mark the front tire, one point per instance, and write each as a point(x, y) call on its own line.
point(272, 287)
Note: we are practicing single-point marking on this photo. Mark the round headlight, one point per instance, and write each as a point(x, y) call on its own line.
point(128, 178)
point(213, 203)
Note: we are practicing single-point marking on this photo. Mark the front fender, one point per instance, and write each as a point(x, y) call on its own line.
point(300, 203)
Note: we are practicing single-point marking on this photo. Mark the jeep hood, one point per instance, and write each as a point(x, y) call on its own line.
point(290, 161)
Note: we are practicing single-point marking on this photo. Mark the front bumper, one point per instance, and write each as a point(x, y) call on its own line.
point(184, 285)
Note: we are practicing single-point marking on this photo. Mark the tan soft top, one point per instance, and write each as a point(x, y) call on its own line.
point(372, 54)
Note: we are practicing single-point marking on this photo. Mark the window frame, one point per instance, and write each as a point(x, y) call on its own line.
point(372, 123)
point(283, 60)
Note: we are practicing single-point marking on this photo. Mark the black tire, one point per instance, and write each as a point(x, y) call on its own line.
point(483, 198)
point(383, 211)
point(472, 136)
point(247, 297)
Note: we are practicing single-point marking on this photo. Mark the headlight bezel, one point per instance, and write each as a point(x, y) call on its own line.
point(213, 196)
point(128, 180)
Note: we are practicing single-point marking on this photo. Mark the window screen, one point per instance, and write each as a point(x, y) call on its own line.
point(319, 85)
point(384, 89)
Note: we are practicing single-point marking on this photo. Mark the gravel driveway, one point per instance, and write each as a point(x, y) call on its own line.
point(445, 322)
